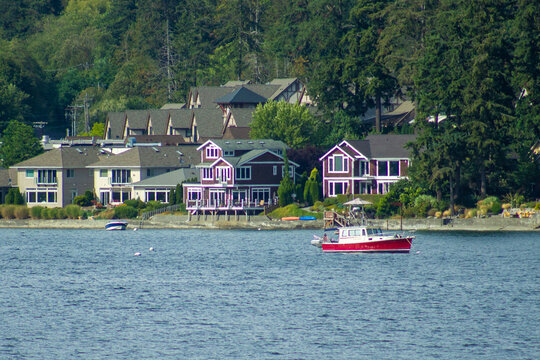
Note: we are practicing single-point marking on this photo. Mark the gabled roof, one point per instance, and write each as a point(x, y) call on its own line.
point(159, 120)
point(241, 95)
point(246, 144)
point(232, 83)
point(138, 119)
point(376, 147)
point(115, 121)
point(171, 178)
point(236, 133)
point(150, 157)
point(209, 122)
point(176, 106)
point(207, 95)
point(242, 117)
point(181, 119)
point(282, 84)
point(389, 146)
point(265, 90)
point(8, 177)
point(162, 140)
point(64, 157)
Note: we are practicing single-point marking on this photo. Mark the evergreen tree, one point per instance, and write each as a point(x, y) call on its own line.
point(286, 185)
point(18, 144)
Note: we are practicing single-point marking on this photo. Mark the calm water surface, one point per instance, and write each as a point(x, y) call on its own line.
point(265, 295)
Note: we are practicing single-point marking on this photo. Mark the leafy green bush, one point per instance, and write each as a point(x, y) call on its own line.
point(423, 203)
point(491, 204)
point(61, 213)
point(21, 212)
point(52, 213)
point(152, 205)
point(82, 200)
point(35, 212)
point(330, 201)
point(125, 212)
point(135, 203)
point(73, 211)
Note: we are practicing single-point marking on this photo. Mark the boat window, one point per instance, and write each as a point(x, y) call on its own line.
point(364, 232)
point(370, 231)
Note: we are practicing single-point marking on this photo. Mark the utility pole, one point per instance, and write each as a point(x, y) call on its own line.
point(71, 111)
point(86, 115)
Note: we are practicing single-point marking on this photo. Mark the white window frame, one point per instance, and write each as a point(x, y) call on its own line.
point(70, 173)
point(332, 187)
point(274, 170)
point(212, 152)
point(103, 173)
point(207, 173)
point(29, 173)
point(332, 164)
point(196, 191)
point(223, 173)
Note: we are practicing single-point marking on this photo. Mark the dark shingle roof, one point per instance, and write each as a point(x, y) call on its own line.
point(151, 157)
point(137, 119)
point(159, 120)
point(181, 119)
point(66, 157)
point(384, 146)
point(242, 117)
point(250, 144)
point(241, 95)
point(209, 122)
point(163, 140)
point(116, 123)
point(207, 95)
point(233, 133)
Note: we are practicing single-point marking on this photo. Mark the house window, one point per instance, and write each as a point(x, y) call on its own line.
point(394, 168)
point(223, 173)
point(260, 195)
point(383, 188)
point(274, 170)
point(207, 174)
point(336, 188)
point(194, 194)
point(46, 176)
point(382, 168)
point(364, 167)
point(243, 173)
point(157, 195)
point(41, 196)
point(103, 173)
point(228, 153)
point(70, 173)
point(212, 152)
point(338, 163)
point(121, 177)
point(291, 171)
point(29, 173)
point(149, 172)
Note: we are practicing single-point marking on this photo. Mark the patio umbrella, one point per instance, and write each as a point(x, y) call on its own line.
point(357, 202)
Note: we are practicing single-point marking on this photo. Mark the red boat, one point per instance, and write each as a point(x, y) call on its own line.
point(364, 239)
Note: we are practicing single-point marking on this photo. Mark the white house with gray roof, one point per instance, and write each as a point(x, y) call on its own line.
point(54, 178)
point(114, 175)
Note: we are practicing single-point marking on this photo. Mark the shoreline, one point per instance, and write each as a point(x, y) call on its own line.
point(494, 223)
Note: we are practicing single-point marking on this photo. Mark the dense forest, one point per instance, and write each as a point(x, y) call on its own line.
point(473, 63)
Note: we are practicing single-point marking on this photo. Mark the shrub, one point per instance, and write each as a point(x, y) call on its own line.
point(438, 214)
point(8, 211)
point(318, 206)
point(52, 213)
point(60, 213)
point(491, 204)
point(432, 212)
point(506, 206)
point(125, 212)
point(537, 206)
point(73, 211)
point(21, 212)
point(82, 200)
point(135, 203)
point(409, 212)
point(329, 201)
point(35, 212)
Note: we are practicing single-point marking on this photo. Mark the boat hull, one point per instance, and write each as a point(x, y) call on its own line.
point(116, 226)
point(401, 245)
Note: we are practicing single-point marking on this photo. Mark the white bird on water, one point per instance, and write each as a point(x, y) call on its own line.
point(151, 249)
point(137, 254)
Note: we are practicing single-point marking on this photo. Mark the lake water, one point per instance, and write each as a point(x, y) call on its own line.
point(205, 294)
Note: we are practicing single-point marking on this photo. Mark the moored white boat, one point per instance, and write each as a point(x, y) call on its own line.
point(116, 225)
point(364, 239)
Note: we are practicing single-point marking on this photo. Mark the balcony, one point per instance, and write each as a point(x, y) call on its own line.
point(119, 181)
point(45, 181)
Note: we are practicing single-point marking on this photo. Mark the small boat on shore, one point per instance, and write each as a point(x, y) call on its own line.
point(116, 225)
point(352, 239)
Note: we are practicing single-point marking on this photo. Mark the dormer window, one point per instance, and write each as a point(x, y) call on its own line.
point(228, 153)
point(212, 152)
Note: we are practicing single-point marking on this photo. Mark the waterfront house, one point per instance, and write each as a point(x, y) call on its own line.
point(114, 175)
point(237, 175)
point(157, 188)
point(367, 166)
point(54, 178)
point(8, 180)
